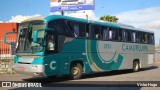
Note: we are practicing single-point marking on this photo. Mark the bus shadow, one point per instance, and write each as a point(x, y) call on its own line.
point(92, 75)
point(116, 72)
point(149, 68)
point(47, 79)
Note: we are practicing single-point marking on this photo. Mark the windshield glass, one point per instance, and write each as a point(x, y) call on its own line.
point(25, 37)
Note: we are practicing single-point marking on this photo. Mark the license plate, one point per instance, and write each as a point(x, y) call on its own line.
point(21, 68)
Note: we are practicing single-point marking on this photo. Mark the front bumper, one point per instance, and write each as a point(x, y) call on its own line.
point(29, 69)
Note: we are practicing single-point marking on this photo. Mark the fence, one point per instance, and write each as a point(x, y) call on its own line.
point(5, 49)
point(6, 59)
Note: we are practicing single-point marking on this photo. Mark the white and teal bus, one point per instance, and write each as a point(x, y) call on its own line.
point(60, 45)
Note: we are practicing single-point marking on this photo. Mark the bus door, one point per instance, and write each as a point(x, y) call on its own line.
point(51, 49)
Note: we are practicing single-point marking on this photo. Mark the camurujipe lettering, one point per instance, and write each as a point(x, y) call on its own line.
point(127, 47)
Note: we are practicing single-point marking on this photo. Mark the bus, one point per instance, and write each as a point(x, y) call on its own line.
point(59, 45)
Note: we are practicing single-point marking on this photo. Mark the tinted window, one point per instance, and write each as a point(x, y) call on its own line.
point(110, 34)
point(139, 37)
point(133, 36)
point(145, 38)
point(56, 24)
point(151, 39)
point(95, 31)
point(61, 27)
point(87, 31)
point(115, 34)
point(104, 33)
point(78, 29)
point(126, 35)
point(82, 29)
point(120, 34)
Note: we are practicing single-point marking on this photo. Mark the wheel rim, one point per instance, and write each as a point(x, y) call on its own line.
point(136, 67)
point(75, 71)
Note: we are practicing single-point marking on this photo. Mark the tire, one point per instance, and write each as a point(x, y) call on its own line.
point(76, 71)
point(136, 66)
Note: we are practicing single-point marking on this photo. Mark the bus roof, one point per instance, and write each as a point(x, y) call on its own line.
point(104, 23)
point(110, 24)
point(52, 17)
point(33, 19)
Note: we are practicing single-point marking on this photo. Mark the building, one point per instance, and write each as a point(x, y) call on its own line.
point(4, 28)
point(8, 27)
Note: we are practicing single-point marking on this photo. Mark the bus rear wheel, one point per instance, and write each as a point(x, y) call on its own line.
point(136, 66)
point(76, 71)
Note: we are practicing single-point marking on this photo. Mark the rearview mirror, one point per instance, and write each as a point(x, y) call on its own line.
point(5, 37)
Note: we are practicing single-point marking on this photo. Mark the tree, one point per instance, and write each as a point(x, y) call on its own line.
point(109, 18)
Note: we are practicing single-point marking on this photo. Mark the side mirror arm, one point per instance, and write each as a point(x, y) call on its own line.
point(5, 37)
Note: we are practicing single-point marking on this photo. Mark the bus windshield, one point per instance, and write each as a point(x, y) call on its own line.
point(25, 37)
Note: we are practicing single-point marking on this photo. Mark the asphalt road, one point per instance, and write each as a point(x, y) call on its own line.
point(117, 80)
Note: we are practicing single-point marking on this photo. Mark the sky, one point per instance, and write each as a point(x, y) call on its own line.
point(143, 14)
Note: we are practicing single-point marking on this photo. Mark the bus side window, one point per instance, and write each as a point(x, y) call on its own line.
point(75, 28)
point(126, 36)
point(139, 37)
point(115, 34)
point(72, 26)
point(56, 24)
point(133, 36)
point(104, 33)
point(120, 35)
point(151, 39)
point(97, 32)
point(110, 34)
point(145, 38)
point(81, 29)
point(94, 31)
point(87, 31)
point(91, 32)
point(61, 27)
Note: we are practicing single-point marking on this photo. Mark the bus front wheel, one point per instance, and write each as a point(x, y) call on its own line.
point(136, 66)
point(76, 71)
